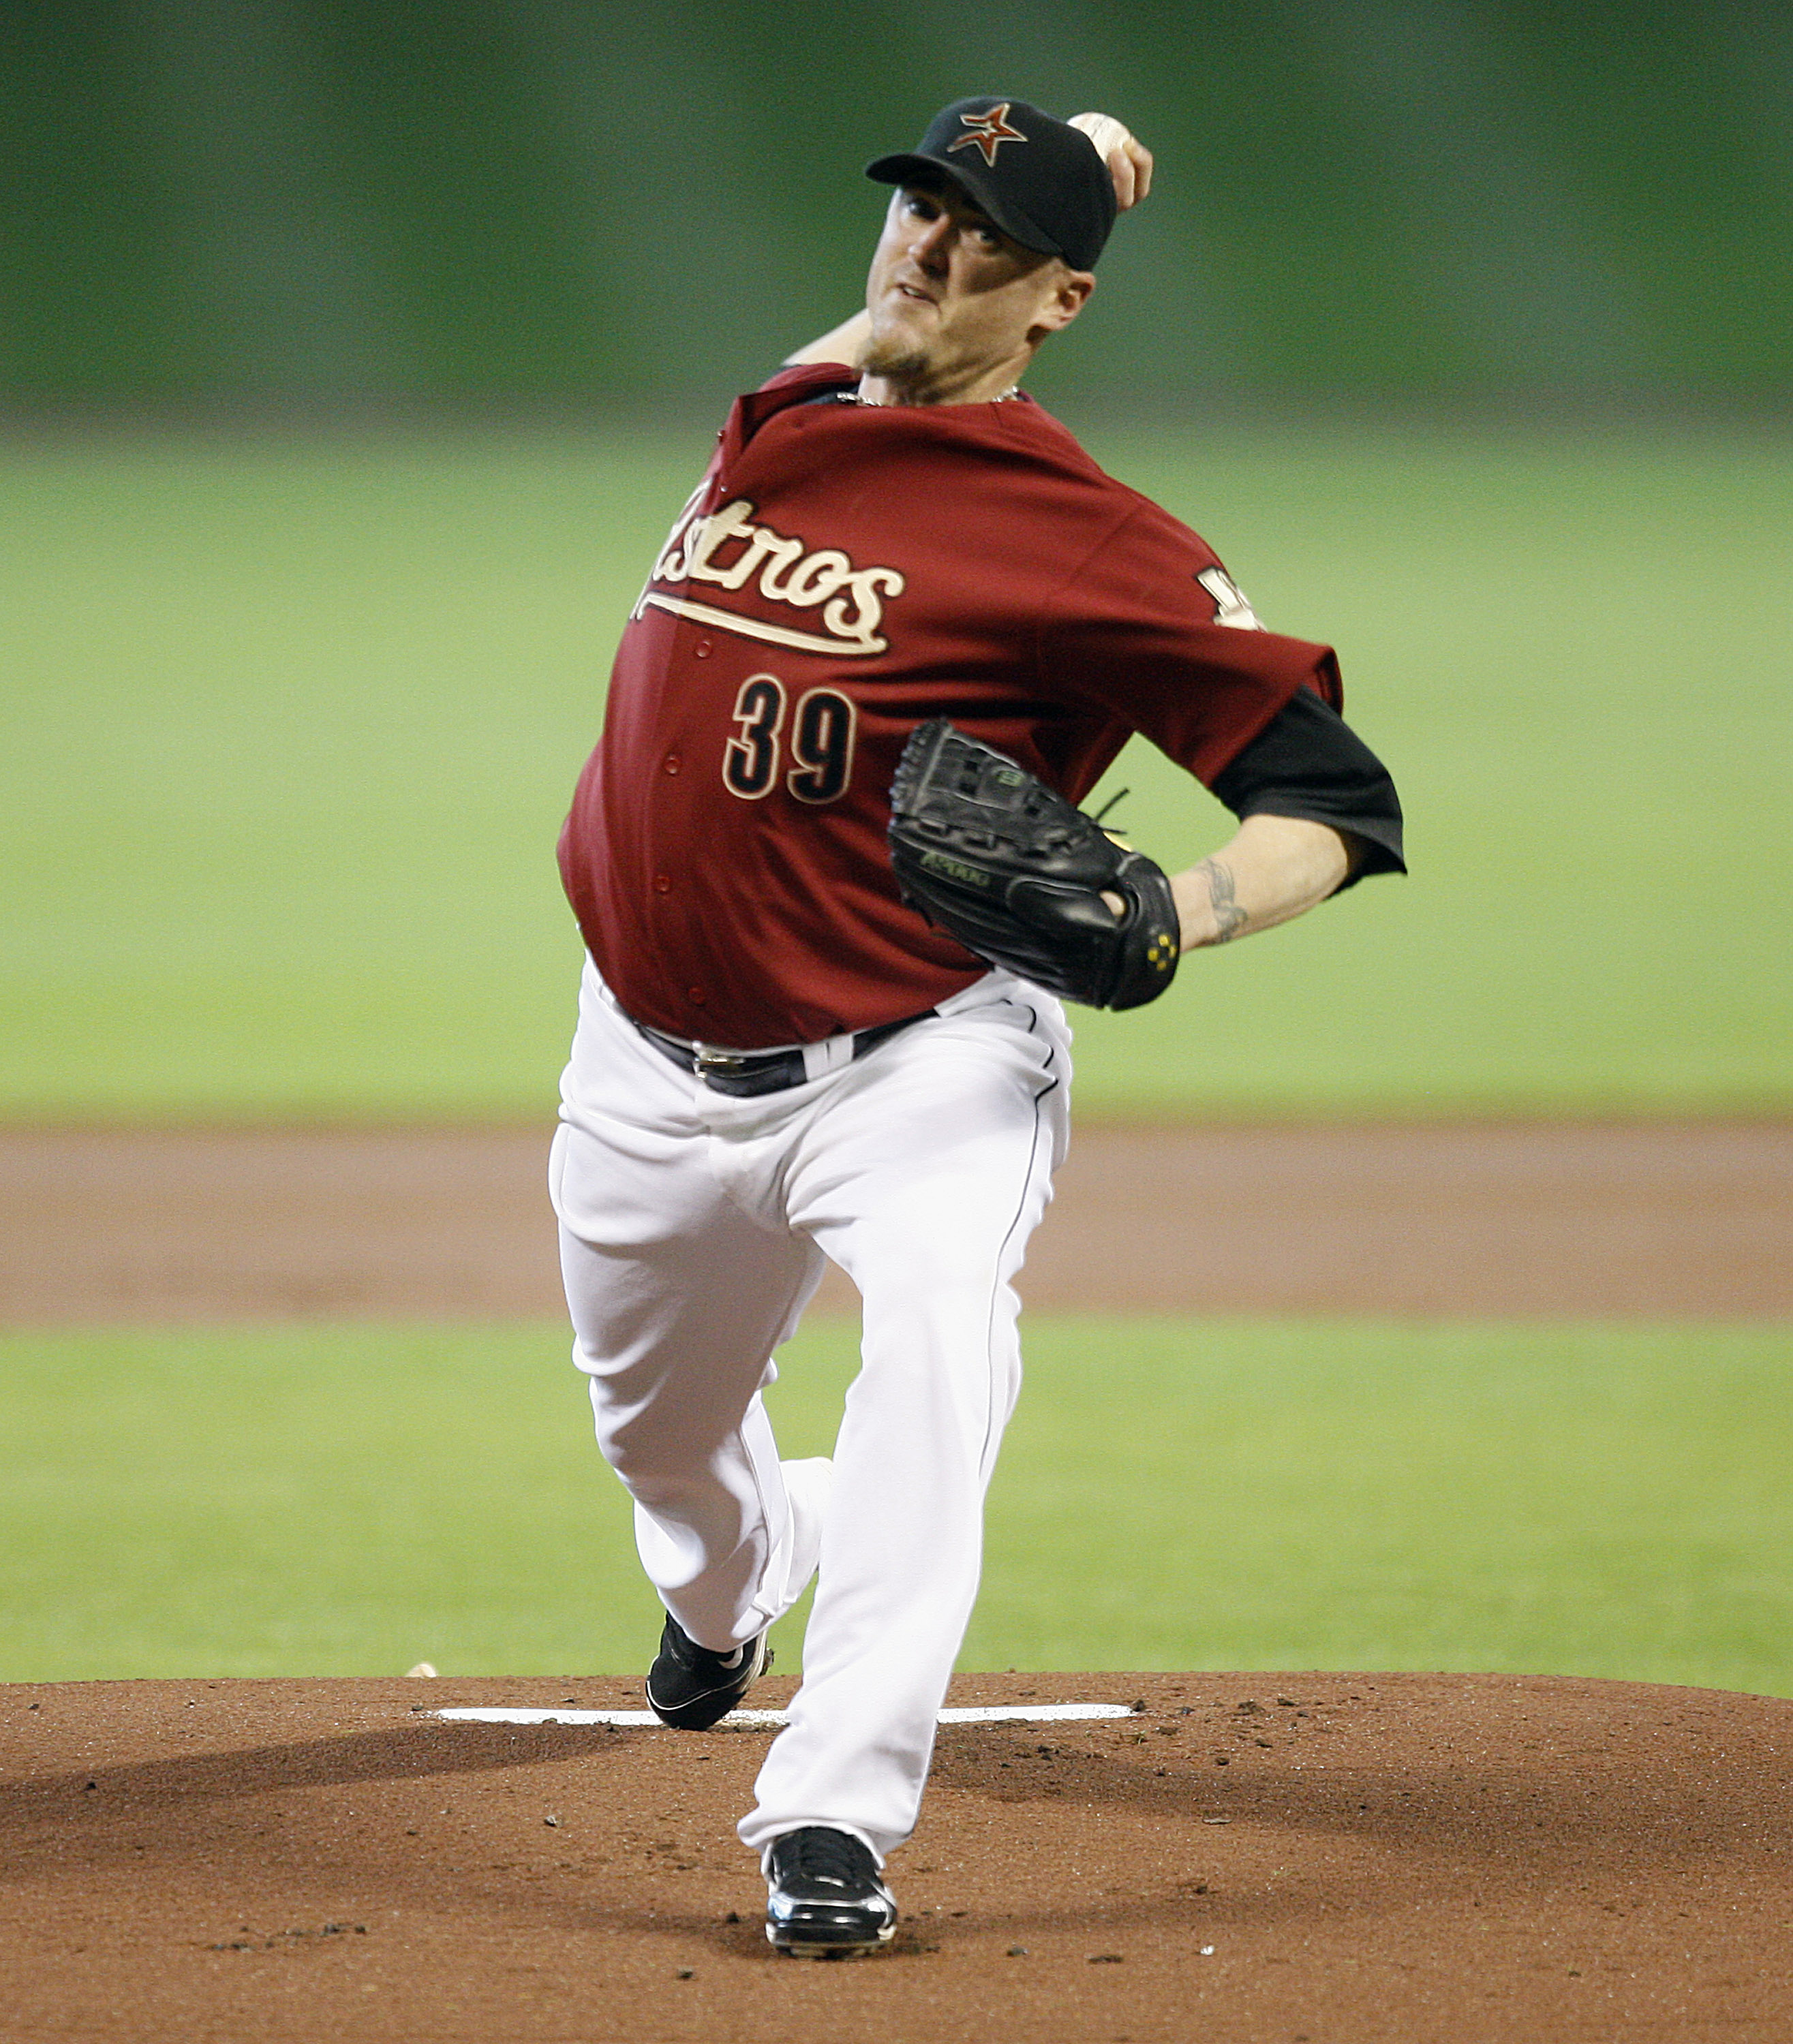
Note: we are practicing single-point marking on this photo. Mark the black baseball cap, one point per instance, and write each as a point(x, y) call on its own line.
point(1040, 180)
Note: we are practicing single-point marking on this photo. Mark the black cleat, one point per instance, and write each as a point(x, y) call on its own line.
point(690, 1688)
point(825, 1898)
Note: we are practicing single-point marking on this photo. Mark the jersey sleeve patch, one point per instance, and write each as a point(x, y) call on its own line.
point(1230, 605)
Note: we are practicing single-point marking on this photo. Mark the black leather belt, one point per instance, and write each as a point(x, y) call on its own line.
point(746, 1075)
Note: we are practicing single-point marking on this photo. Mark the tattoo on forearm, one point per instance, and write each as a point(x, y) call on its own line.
point(1229, 918)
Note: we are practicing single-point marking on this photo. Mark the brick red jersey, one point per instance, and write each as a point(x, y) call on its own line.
point(842, 573)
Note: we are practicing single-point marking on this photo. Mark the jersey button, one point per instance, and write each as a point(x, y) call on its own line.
point(703, 650)
point(694, 994)
point(662, 884)
point(670, 764)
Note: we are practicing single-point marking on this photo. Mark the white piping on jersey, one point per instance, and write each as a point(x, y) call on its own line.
point(789, 572)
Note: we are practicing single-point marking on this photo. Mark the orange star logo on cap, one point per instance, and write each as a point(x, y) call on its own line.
point(989, 131)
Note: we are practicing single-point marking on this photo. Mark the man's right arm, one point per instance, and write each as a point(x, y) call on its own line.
point(840, 344)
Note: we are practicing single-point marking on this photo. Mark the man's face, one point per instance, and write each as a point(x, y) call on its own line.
point(952, 299)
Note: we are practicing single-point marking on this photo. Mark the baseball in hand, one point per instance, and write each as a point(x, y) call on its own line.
point(1129, 160)
point(1104, 130)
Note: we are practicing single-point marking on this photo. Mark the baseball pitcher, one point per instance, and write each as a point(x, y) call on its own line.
point(831, 875)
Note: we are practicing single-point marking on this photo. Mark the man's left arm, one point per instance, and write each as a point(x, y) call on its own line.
point(999, 858)
point(1275, 869)
point(1318, 811)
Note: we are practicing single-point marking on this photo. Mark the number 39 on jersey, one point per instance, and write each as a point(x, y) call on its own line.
point(811, 750)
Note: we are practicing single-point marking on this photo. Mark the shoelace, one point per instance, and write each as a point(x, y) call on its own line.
point(703, 1661)
point(824, 1855)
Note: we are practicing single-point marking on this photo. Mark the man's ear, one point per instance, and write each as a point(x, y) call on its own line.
point(1070, 294)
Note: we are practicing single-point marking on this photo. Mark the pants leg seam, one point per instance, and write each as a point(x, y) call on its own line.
point(985, 1455)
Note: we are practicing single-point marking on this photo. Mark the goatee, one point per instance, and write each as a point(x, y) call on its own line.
point(898, 362)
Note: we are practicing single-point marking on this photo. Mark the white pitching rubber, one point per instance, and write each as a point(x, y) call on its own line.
point(995, 1714)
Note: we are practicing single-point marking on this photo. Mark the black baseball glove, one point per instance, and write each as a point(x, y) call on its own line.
point(1017, 873)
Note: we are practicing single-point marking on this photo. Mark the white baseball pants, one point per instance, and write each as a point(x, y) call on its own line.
point(693, 1231)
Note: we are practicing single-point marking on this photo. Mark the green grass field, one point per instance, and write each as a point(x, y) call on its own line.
point(348, 1499)
point(290, 727)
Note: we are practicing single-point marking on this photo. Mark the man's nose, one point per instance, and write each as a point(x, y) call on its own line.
point(928, 245)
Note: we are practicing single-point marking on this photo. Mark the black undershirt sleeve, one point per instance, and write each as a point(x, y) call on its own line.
point(1308, 761)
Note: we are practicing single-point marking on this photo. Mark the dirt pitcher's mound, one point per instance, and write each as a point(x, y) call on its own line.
point(1313, 1859)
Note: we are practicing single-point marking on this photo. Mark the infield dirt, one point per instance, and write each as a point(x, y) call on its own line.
point(1502, 1219)
point(1245, 1859)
